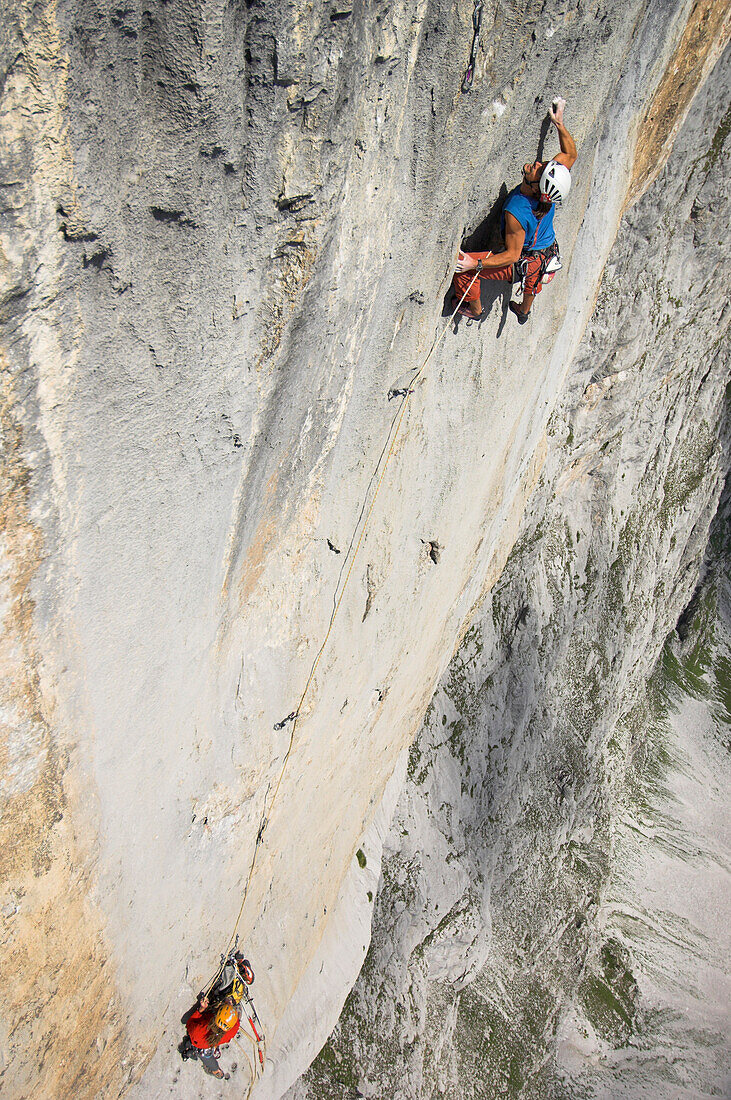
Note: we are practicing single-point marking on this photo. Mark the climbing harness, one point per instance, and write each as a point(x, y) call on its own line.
point(477, 24)
point(346, 569)
point(550, 263)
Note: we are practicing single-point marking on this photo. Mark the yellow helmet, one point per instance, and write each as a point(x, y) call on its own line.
point(226, 1017)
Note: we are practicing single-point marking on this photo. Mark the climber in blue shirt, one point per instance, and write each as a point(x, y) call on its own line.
point(531, 250)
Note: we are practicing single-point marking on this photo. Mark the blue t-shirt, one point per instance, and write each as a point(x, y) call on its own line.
point(523, 208)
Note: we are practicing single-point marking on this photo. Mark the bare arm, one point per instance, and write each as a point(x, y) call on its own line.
point(514, 239)
point(568, 153)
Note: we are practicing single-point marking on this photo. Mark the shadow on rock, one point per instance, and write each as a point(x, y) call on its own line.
point(545, 127)
point(489, 233)
point(486, 236)
point(490, 293)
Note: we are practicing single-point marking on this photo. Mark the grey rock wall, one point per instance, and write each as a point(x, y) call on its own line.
point(226, 232)
point(552, 918)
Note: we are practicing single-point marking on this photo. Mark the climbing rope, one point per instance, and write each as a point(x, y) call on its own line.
point(256, 1069)
point(253, 1075)
point(356, 541)
point(254, 1072)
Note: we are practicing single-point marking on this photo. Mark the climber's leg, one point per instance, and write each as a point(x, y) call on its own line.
point(525, 305)
point(463, 279)
point(531, 285)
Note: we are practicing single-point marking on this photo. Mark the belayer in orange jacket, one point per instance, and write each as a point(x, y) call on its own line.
point(527, 228)
point(208, 1030)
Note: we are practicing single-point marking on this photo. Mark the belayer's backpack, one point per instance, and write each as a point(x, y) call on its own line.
point(236, 974)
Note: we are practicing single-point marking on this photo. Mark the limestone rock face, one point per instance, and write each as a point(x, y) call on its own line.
point(227, 230)
point(552, 919)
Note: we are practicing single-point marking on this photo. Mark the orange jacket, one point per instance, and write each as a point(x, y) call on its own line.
point(197, 1027)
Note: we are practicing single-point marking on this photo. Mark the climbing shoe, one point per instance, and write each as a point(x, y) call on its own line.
point(464, 311)
point(186, 1049)
point(522, 317)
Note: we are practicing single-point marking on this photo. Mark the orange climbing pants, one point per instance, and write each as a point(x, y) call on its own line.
point(501, 274)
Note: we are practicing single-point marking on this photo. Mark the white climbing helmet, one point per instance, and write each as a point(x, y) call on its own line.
point(555, 182)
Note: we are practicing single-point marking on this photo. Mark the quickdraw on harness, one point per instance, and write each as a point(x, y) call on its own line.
point(477, 24)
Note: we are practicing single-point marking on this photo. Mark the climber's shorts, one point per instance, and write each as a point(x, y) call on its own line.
point(463, 279)
point(531, 267)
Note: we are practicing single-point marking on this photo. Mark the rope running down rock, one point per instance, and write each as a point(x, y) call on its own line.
point(361, 526)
